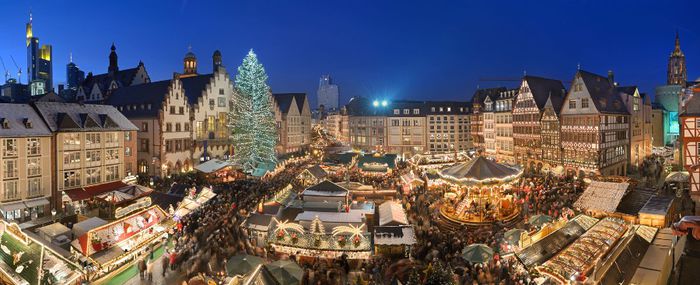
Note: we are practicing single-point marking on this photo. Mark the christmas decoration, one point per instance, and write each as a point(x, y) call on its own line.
point(252, 120)
point(440, 275)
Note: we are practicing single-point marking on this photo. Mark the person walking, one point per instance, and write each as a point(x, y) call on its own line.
point(149, 269)
point(165, 260)
point(142, 268)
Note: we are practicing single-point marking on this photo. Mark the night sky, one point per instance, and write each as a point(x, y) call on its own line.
point(393, 49)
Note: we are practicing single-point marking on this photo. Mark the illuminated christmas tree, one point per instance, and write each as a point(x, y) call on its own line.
point(252, 120)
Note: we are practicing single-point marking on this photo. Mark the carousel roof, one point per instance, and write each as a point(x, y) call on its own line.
point(478, 169)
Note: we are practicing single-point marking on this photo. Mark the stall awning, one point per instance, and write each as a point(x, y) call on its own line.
point(7, 207)
point(602, 196)
point(36, 202)
point(84, 193)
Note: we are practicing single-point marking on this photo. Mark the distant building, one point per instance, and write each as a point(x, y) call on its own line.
point(97, 88)
point(39, 64)
point(13, 91)
point(477, 121)
point(406, 128)
point(659, 127)
point(448, 127)
point(293, 116)
point(667, 96)
point(503, 125)
point(639, 107)
point(74, 78)
point(676, 73)
point(327, 93)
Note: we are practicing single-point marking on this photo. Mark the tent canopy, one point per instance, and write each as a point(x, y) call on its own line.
point(85, 226)
point(212, 165)
point(392, 213)
point(479, 169)
point(602, 196)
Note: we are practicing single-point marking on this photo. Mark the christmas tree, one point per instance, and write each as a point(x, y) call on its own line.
point(252, 121)
point(440, 275)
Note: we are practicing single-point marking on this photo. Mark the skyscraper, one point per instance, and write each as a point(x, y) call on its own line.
point(74, 77)
point(676, 74)
point(39, 64)
point(327, 93)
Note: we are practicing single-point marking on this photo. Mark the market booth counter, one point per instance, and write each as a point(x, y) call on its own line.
point(26, 261)
point(110, 246)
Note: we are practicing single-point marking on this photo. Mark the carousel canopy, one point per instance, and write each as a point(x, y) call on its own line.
point(478, 170)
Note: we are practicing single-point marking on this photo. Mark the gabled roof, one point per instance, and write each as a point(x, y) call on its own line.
point(543, 89)
point(481, 94)
point(603, 93)
point(67, 117)
point(692, 107)
point(317, 171)
point(16, 116)
point(325, 188)
point(284, 101)
point(122, 77)
point(392, 214)
point(194, 86)
point(148, 93)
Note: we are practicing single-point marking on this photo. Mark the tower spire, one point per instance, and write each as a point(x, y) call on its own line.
point(71, 57)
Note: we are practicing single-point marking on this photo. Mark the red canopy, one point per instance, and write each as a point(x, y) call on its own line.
point(83, 193)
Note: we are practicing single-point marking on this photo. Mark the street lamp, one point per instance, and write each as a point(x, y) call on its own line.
point(53, 215)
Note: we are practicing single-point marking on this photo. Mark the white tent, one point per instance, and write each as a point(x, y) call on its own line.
point(392, 213)
point(85, 226)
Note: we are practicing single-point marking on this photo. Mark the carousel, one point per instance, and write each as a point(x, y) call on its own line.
point(479, 193)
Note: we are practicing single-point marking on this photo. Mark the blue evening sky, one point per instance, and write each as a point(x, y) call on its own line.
point(380, 49)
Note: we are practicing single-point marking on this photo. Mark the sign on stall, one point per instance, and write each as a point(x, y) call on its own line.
point(138, 205)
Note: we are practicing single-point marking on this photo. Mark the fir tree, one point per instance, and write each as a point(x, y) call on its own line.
point(252, 120)
point(440, 275)
point(414, 278)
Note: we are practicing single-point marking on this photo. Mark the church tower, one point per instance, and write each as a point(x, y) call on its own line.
point(676, 74)
point(113, 67)
point(190, 63)
point(216, 60)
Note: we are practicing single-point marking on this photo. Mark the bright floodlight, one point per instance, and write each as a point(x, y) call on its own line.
point(384, 103)
point(375, 103)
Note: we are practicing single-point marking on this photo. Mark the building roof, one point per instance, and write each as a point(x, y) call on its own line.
point(194, 86)
point(623, 269)
point(326, 188)
point(258, 221)
point(123, 78)
point(374, 162)
point(547, 247)
point(17, 116)
point(83, 117)
point(480, 94)
point(603, 93)
point(544, 89)
point(634, 201)
point(478, 169)
point(456, 107)
point(284, 101)
point(657, 205)
point(602, 196)
point(331, 217)
point(404, 235)
point(212, 165)
point(260, 276)
point(692, 107)
point(317, 171)
point(392, 214)
point(148, 93)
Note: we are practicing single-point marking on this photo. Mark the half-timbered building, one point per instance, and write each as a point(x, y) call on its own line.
point(690, 142)
point(477, 117)
point(594, 127)
point(550, 132)
point(529, 123)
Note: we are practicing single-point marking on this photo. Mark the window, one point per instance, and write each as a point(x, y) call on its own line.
point(11, 192)
point(111, 154)
point(112, 173)
point(222, 101)
point(111, 138)
point(394, 123)
point(449, 109)
point(92, 139)
point(584, 103)
point(127, 136)
point(9, 148)
point(221, 91)
point(71, 178)
point(92, 176)
point(168, 127)
point(172, 110)
point(144, 127)
point(127, 151)
point(177, 127)
point(572, 104)
point(187, 127)
point(71, 139)
point(92, 156)
point(10, 168)
point(71, 157)
point(416, 111)
point(34, 187)
point(406, 111)
point(212, 103)
point(33, 166)
point(397, 111)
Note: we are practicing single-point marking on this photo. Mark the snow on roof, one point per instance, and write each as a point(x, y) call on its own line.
point(85, 226)
point(404, 235)
point(392, 213)
point(212, 165)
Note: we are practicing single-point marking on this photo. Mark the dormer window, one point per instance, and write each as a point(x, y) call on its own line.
point(27, 123)
point(5, 123)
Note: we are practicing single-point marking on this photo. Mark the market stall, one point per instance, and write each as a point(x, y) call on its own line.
point(193, 201)
point(26, 261)
point(219, 170)
point(601, 197)
point(111, 245)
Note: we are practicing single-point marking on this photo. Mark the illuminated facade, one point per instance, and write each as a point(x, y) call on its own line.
point(677, 73)
point(594, 127)
point(503, 125)
point(39, 63)
point(690, 141)
point(293, 117)
point(476, 121)
point(448, 127)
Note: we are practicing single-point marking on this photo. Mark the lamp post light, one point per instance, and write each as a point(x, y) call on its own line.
point(53, 215)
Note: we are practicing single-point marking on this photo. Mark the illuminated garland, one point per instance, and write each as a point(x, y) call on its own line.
point(252, 121)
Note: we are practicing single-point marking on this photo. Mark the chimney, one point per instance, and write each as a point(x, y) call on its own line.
point(611, 78)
